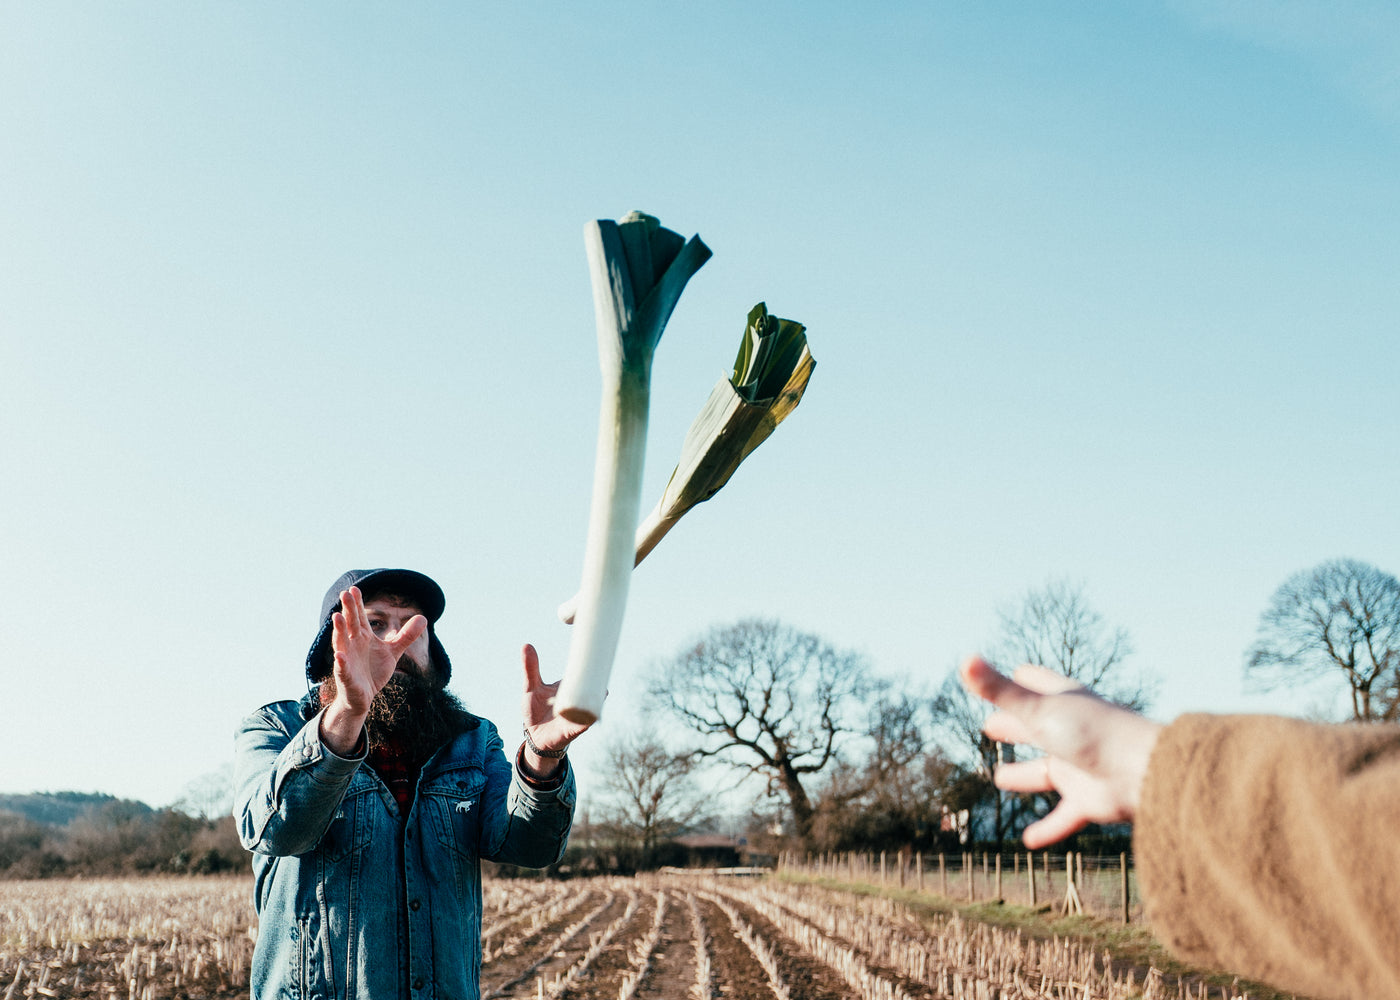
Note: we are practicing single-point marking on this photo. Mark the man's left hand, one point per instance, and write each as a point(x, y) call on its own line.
point(547, 730)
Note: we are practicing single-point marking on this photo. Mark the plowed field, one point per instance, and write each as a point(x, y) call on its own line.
point(659, 937)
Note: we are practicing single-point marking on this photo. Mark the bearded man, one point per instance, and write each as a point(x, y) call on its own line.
point(369, 805)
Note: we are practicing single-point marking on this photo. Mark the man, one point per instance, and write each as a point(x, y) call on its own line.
point(369, 804)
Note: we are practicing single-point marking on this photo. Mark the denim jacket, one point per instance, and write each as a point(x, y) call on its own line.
point(355, 903)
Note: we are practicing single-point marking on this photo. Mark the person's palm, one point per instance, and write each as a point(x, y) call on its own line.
point(364, 662)
point(547, 730)
point(1096, 752)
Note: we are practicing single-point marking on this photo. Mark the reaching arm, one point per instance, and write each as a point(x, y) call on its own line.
point(522, 823)
point(288, 783)
point(1264, 845)
point(1267, 846)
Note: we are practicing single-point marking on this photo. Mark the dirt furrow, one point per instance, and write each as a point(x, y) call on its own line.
point(672, 969)
point(806, 977)
point(543, 955)
point(507, 927)
point(914, 988)
point(735, 972)
point(606, 972)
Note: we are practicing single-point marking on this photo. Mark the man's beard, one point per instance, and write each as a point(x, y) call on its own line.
point(411, 714)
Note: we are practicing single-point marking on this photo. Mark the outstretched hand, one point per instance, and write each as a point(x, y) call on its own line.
point(1096, 752)
point(547, 730)
point(364, 661)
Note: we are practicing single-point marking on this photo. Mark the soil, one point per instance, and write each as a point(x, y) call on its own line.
point(805, 977)
point(673, 964)
point(671, 974)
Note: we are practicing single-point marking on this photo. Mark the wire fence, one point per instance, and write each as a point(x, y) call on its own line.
point(1073, 883)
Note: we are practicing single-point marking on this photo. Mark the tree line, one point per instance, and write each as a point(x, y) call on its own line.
point(841, 759)
point(70, 834)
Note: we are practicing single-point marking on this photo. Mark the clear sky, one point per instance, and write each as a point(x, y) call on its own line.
point(1101, 291)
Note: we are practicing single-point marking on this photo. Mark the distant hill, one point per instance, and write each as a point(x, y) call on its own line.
point(62, 808)
point(80, 834)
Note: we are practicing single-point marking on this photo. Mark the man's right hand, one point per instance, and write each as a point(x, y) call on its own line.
point(364, 662)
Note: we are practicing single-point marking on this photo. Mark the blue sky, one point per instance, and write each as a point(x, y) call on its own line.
point(1104, 292)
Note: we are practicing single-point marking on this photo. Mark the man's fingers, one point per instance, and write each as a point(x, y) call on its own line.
point(340, 633)
point(407, 635)
point(1025, 776)
point(353, 609)
point(531, 661)
point(1043, 680)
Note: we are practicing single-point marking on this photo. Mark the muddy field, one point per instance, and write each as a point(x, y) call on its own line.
point(662, 937)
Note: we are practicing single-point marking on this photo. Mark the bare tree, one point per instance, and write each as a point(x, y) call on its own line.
point(959, 716)
point(1340, 618)
point(896, 730)
point(769, 700)
point(894, 733)
point(1054, 626)
point(893, 797)
point(650, 793)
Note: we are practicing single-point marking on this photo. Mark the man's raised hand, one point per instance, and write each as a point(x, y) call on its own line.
point(364, 661)
point(546, 730)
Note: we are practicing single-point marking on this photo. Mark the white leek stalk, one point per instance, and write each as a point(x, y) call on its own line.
point(638, 270)
point(770, 375)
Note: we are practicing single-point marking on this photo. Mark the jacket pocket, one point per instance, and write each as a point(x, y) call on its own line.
point(455, 801)
point(351, 828)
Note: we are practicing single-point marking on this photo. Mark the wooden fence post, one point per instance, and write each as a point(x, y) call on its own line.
point(1074, 902)
point(942, 877)
point(999, 894)
point(1123, 868)
point(919, 866)
point(882, 867)
point(1030, 875)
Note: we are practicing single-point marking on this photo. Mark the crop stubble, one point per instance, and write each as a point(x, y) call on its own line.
point(659, 937)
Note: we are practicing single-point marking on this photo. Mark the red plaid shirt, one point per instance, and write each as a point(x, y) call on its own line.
point(392, 765)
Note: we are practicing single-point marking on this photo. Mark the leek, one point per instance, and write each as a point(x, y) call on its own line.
point(638, 271)
point(770, 375)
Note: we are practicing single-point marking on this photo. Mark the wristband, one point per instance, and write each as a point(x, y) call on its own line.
point(553, 754)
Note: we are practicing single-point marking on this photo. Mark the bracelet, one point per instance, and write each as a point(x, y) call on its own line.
point(553, 754)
